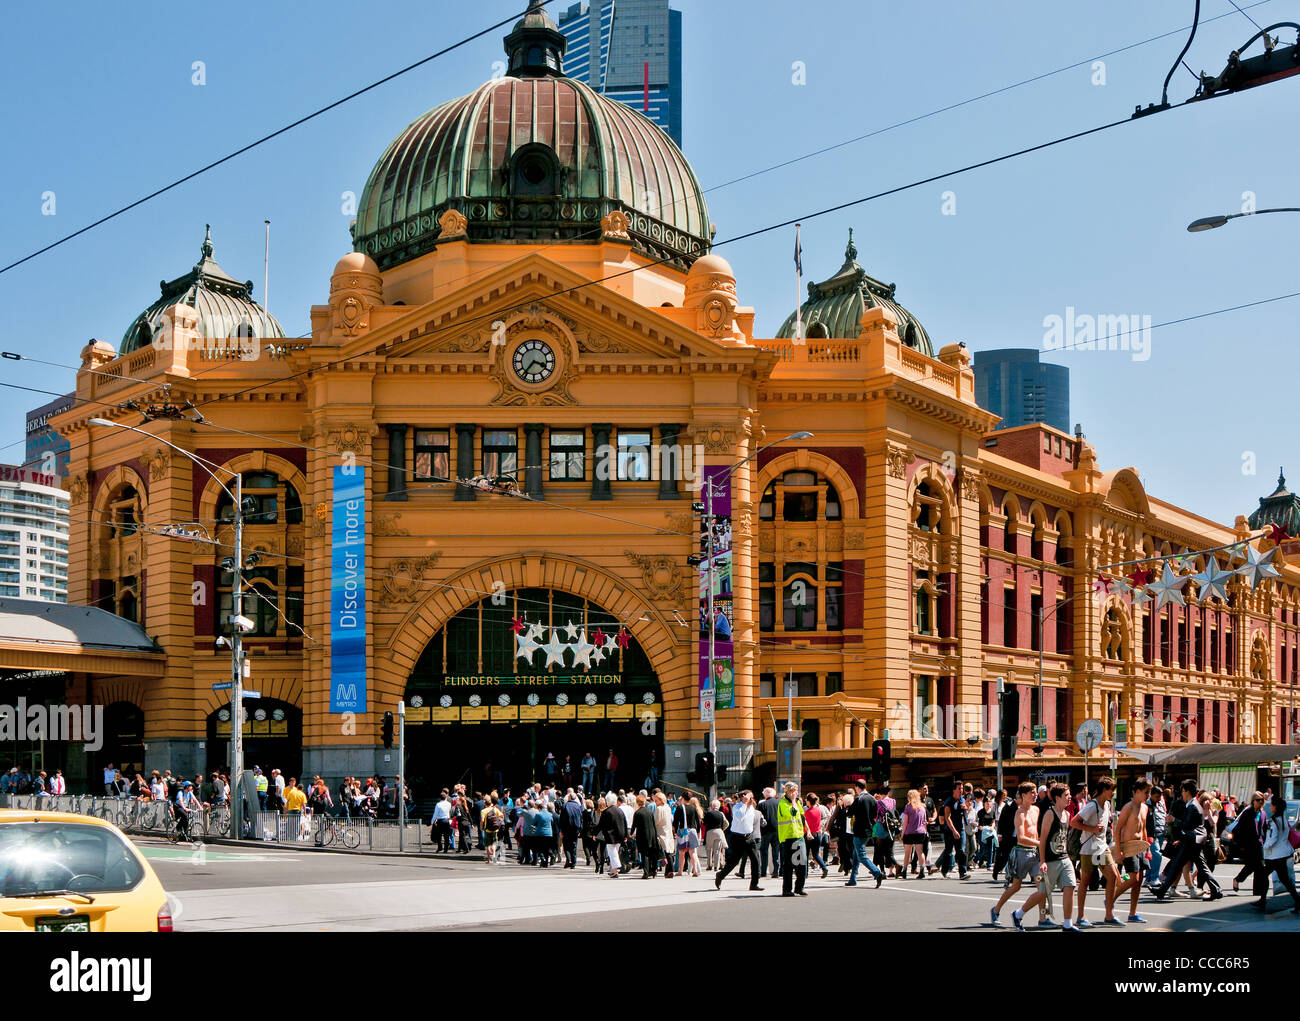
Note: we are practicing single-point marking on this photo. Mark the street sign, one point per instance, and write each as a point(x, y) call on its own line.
point(1040, 732)
point(706, 705)
point(251, 694)
point(1121, 733)
point(222, 685)
point(1089, 735)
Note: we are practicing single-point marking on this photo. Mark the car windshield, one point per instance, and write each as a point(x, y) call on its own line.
point(36, 857)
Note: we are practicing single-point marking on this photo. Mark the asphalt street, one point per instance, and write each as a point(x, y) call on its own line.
point(225, 888)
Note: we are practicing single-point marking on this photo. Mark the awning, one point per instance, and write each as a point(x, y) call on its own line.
point(40, 636)
point(1217, 754)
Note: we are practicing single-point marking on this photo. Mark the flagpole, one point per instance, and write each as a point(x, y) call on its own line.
point(798, 287)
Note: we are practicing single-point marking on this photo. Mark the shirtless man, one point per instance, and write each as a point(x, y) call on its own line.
point(1093, 818)
point(1056, 872)
point(1130, 850)
point(1023, 863)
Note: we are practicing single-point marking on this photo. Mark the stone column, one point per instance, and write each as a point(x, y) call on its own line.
point(670, 461)
point(465, 459)
point(603, 462)
point(533, 459)
point(396, 463)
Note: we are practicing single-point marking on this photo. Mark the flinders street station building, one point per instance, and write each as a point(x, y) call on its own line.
point(475, 487)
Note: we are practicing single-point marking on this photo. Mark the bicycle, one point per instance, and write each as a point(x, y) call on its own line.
point(331, 830)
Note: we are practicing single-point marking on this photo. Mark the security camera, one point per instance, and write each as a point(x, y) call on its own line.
point(698, 508)
point(222, 642)
point(243, 623)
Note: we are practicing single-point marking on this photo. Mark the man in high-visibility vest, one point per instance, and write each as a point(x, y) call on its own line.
point(790, 831)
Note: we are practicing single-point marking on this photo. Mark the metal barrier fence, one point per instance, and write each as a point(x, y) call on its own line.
point(155, 818)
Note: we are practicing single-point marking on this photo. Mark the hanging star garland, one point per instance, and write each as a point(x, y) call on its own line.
point(1168, 588)
point(598, 637)
point(571, 630)
point(1140, 577)
point(516, 625)
point(554, 649)
point(1258, 566)
point(1213, 581)
point(525, 647)
point(1101, 588)
point(1277, 534)
point(582, 650)
point(611, 643)
point(623, 638)
point(536, 631)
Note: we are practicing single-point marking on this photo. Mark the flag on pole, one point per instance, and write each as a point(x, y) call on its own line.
point(798, 286)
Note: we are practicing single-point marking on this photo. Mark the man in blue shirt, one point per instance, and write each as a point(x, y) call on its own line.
point(109, 774)
point(543, 836)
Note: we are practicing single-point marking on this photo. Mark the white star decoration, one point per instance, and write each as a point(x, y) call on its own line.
point(535, 633)
point(1141, 596)
point(571, 631)
point(1168, 588)
point(525, 647)
point(1213, 581)
point(597, 654)
point(582, 651)
point(1258, 566)
point(611, 644)
point(554, 649)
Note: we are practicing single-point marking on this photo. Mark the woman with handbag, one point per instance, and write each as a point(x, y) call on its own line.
point(1280, 842)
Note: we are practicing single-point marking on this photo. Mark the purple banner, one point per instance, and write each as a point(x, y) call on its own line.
point(720, 674)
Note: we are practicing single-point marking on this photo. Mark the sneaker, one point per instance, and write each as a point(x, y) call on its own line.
point(880, 879)
point(851, 882)
point(1137, 919)
point(1047, 923)
point(1083, 923)
point(1067, 927)
point(1113, 921)
point(993, 918)
point(1018, 920)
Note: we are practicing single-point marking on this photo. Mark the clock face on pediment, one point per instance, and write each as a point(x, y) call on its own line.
point(533, 361)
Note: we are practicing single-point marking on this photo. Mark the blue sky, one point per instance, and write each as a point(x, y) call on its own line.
point(102, 110)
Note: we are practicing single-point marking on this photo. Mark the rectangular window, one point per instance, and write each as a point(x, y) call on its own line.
point(1035, 610)
point(834, 683)
point(1229, 654)
point(500, 453)
point(1166, 653)
point(766, 685)
point(1214, 651)
point(633, 455)
point(1182, 643)
point(568, 456)
point(799, 606)
point(1010, 632)
point(1198, 648)
point(432, 454)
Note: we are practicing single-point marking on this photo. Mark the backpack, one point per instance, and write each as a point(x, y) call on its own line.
point(1074, 843)
point(493, 821)
point(893, 825)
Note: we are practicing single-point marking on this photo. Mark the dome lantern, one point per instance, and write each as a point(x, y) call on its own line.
point(536, 45)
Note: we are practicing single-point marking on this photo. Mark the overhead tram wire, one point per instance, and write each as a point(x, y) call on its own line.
point(260, 141)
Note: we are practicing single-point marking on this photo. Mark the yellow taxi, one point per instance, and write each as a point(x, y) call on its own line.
point(61, 872)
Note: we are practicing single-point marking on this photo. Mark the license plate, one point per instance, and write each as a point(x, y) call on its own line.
point(52, 924)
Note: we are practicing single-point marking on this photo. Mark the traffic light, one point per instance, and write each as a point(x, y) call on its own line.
point(703, 774)
point(721, 772)
point(387, 730)
point(880, 763)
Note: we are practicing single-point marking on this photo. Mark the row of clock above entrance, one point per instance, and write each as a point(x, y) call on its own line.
point(524, 458)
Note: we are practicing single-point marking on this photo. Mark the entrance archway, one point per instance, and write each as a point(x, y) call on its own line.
point(511, 679)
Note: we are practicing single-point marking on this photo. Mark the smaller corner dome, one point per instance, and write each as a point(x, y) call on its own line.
point(223, 306)
point(1281, 507)
point(835, 306)
point(356, 262)
point(711, 263)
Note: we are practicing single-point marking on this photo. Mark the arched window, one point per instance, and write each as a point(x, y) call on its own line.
point(536, 171)
point(927, 510)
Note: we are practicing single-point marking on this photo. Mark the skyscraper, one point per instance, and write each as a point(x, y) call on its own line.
point(631, 51)
point(1013, 383)
point(33, 535)
point(43, 441)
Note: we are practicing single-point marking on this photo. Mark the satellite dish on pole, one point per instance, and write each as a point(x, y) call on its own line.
point(1089, 735)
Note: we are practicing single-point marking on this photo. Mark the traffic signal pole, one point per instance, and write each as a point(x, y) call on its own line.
point(710, 683)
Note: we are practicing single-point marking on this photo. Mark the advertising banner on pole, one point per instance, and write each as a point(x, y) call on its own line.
point(720, 674)
point(348, 592)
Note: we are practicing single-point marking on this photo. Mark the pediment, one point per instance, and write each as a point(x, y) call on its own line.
point(537, 293)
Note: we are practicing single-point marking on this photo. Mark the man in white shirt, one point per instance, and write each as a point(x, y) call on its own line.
point(58, 785)
point(442, 822)
point(1094, 851)
point(742, 840)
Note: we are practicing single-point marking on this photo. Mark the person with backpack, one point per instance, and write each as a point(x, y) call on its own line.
point(1095, 855)
point(1279, 846)
point(863, 815)
point(885, 831)
point(491, 823)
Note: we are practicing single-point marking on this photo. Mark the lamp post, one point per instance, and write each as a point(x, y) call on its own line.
point(710, 485)
point(236, 613)
point(1211, 222)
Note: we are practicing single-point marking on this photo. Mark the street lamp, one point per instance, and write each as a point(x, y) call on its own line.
point(710, 485)
point(1211, 222)
point(238, 622)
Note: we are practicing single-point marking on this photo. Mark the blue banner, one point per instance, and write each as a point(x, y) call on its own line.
point(348, 592)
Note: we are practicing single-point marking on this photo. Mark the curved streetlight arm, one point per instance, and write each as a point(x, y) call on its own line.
point(1211, 222)
point(208, 466)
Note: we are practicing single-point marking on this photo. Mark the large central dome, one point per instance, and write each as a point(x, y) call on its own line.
point(532, 157)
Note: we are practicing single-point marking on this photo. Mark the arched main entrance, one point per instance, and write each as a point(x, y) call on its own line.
point(483, 713)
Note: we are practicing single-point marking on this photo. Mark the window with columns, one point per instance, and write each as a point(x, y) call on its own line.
point(810, 589)
point(273, 581)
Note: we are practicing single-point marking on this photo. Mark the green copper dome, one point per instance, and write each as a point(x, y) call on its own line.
point(224, 305)
point(1281, 507)
point(834, 307)
point(532, 157)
